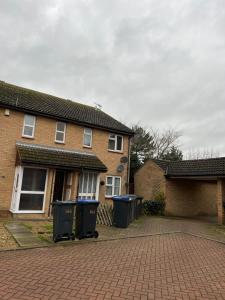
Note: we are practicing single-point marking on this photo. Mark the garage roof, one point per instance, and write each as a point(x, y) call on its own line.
point(198, 167)
point(57, 157)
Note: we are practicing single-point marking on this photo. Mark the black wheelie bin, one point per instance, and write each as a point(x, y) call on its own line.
point(63, 212)
point(86, 216)
point(123, 210)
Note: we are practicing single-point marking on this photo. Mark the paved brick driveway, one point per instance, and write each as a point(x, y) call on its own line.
point(169, 266)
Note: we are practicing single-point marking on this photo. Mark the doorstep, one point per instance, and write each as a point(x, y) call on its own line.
point(23, 236)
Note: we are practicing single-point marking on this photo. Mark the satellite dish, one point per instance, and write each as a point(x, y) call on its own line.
point(120, 168)
point(124, 159)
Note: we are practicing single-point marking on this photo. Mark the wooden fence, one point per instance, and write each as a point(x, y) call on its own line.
point(105, 214)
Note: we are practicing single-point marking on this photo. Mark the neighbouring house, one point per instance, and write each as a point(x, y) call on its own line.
point(57, 149)
point(191, 187)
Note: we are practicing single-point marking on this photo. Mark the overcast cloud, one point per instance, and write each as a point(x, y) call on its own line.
point(160, 63)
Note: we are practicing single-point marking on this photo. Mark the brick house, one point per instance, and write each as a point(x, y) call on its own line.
point(57, 149)
point(191, 187)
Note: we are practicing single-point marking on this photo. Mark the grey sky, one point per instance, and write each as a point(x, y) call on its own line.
point(160, 63)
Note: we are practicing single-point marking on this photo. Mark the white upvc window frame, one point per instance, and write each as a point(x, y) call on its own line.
point(15, 207)
point(60, 131)
point(112, 185)
point(84, 195)
point(89, 134)
point(28, 125)
point(116, 142)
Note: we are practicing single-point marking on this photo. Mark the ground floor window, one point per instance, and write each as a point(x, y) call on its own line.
point(88, 185)
point(113, 186)
point(30, 190)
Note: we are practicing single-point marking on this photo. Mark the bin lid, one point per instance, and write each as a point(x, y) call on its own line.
point(87, 201)
point(128, 197)
point(69, 202)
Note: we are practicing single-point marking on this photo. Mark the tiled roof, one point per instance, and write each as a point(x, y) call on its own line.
point(163, 164)
point(43, 104)
point(57, 157)
point(199, 167)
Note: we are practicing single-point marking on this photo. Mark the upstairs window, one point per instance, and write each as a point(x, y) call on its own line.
point(60, 132)
point(87, 137)
point(113, 186)
point(28, 126)
point(115, 143)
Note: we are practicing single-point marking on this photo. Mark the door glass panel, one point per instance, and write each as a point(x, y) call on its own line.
point(33, 180)
point(31, 201)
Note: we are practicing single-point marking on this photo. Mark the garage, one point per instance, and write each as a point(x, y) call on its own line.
point(192, 188)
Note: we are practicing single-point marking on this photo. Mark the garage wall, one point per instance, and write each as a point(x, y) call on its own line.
point(149, 180)
point(191, 198)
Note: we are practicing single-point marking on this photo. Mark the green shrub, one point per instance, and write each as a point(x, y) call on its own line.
point(154, 207)
point(160, 196)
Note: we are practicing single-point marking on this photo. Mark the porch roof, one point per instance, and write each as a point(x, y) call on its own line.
point(213, 167)
point(58, 157)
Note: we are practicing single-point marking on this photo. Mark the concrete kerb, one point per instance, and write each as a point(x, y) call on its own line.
point(88, 241)
point(65, 244)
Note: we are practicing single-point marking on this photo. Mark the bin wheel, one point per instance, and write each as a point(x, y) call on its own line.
point(96, 234)
point(55, 239)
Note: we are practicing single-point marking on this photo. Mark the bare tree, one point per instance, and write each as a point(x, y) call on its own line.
point(164, 141)
point(201, 153)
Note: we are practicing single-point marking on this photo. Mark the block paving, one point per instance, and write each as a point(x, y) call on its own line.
point(165, 266)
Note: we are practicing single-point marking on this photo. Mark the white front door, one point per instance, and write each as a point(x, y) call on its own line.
point(16, 185)
point(88, 186)
point(29, 190)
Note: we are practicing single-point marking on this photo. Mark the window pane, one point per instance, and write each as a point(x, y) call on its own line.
point(108, 190)
point(29, 120)
point(33, 180)
point(94, 183)
point(61, 126)
point(85, 182)
point(117, 182)
point(109, 180)
point(88, 131)
point(80, 183)
point(90, 178)
point(116, 190)
point(28, 131)
point(111, 145)
point(59, 136)
point(119, 143)
point(87, 140)
point(31, 202)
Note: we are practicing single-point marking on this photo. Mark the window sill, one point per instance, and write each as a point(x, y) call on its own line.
point(89, 147)
point(27, 212)
point(58, 142)
point(116, 151)
point(28, 137)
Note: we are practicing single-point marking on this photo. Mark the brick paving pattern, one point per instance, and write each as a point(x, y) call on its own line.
point(168, 266)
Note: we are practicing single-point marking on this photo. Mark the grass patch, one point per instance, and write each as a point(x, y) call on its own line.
point(48, 227)
point(43, 238)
